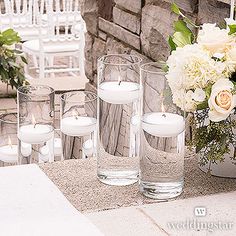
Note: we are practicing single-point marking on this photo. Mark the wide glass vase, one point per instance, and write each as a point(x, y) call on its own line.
point(119, 92)
point(35, 124)
point(162, 137)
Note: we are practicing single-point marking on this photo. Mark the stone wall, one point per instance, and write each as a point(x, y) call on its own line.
point(138, 26)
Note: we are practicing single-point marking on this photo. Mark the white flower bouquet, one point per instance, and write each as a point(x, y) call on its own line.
point(201, 72)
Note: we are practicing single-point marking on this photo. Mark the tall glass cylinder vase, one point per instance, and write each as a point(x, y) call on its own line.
point(119, 92)
point(8, 139)
point(162, 137)
point(35, 124)
point(79, 124)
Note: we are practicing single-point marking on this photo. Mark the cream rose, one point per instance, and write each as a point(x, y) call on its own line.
point(214, 39)
point(221, 101)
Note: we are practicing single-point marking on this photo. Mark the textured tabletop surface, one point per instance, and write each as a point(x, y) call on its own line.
point(77, 181)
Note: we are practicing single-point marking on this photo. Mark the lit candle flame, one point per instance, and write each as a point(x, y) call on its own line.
point(33, 120)
point(9, 142)
point(163, 110)
point(75, 114)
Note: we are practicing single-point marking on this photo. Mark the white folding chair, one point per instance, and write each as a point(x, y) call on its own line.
point(20, 15)
point(64, 11)
point(57, 44)
point(17, 12)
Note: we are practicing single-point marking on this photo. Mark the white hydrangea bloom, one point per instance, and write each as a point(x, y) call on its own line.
point(214, 39)
point(191, 67)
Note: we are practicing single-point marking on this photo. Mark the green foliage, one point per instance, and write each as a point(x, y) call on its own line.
point(183, 34)
point(213, 140)
point(175, 9)
point(11, 60)
point(9, 37)
point(172, 44)
point(232, 29)
point(182, 39)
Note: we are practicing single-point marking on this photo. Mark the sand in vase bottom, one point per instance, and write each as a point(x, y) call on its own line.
point(161, 173)
point(117, 170)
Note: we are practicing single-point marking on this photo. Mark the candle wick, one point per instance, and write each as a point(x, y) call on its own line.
point(164, 115)
point(35, 125)
point(119, 82)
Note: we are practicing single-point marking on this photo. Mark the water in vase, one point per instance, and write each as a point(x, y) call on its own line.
point(119, 141)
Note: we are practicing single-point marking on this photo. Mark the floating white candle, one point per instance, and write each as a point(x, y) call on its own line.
point(163, 124)
point(119, 92)
point(35, 133)
point(9, 153)
point(78, 125)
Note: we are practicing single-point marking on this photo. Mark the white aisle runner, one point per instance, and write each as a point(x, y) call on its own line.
point(31, 205)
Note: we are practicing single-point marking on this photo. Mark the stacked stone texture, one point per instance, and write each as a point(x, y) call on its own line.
point(138, 26)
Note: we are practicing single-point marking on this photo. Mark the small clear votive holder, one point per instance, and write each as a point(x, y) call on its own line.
point(119, 92)
point(8, 139)
point(79, 124)
point(35, 124)
point(162, 137)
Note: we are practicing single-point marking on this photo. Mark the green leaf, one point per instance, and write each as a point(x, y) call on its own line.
point(202, 105)
point(182, 38)
point(165, 68)
point(171, 43)
point(24, 59)
point(175, 9)
point(208, 91)
point(181, 26)
point(232, 29)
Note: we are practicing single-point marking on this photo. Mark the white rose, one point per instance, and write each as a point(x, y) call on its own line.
point(214, 39)
point(199, 95)
point(221, 101)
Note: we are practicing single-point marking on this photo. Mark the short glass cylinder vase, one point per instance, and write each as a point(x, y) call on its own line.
point(79, 124)
point(162, 137)
point(119, 91)
point(8, 139)
point(35, 124)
